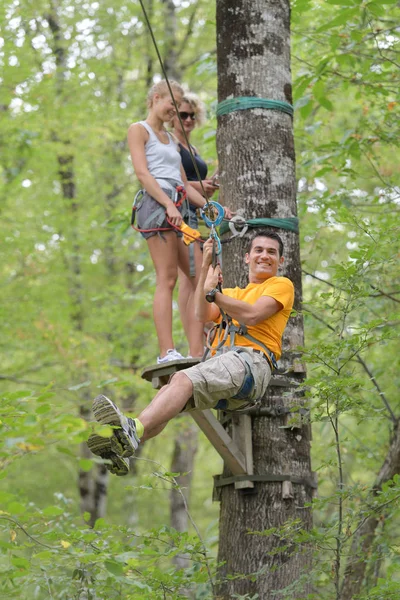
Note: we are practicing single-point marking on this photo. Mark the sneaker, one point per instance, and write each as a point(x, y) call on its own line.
point(102, 447)
point(124, 440)
point(171, 355)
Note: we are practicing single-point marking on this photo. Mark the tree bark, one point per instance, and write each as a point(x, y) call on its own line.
point(257, 176)
point(186, 439)
point(365, 534)
point(93, 484)
point(185, 449)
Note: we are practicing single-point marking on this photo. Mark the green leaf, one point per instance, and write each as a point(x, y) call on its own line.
point(107, 381)
point(20, 563)
point(85, 464)
point(79, 386)
point(114, 567)
point(45, 396)
point(16, 508)
point(100, 523)
point(65, 450)
point(342, 18)
point(343, 2)
point(53, 511)
point(43, 555)
point(43, 409)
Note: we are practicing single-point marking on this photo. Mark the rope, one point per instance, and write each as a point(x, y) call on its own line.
point(245, 102)
point(289, 224)
point(173, 99)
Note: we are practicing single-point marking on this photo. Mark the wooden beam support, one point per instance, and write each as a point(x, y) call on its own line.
point(226, 447)
point(242, 435)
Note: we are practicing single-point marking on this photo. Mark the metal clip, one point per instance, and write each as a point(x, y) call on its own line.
point(241, 222)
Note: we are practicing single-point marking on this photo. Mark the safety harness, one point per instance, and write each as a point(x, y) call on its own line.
point(177, 195)
point(227, 328)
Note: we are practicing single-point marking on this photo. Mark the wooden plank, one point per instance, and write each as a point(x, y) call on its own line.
point(282, 381)
point(242, 435)
point(159, 375)
point(222, 442)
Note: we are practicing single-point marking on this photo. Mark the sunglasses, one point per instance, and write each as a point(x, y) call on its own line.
point(185, 115)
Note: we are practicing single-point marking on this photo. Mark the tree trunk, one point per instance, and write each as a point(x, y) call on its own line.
point(185, 448)
point(186, 439)
point(170, 40)
point(257, 176)
point(365, 534)
point(93, 484)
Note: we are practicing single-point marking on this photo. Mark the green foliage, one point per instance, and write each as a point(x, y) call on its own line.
point(77, 287)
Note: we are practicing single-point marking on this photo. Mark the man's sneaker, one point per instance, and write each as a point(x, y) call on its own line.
point(102, 447)
point(171, 355)
point(124, 440)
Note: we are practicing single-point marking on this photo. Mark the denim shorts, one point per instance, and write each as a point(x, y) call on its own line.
point(150, 214)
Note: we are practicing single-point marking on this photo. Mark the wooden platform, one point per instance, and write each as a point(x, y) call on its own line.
point(236, 451)
point(158, 375)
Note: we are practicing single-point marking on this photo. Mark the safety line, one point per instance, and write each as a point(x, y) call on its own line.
point(173, 99)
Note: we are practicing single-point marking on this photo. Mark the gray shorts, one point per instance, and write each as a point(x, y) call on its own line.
point(221, 377)
point(150, 214)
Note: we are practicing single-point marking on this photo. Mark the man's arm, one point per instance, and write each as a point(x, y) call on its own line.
point(248, 314)
point(209, 277)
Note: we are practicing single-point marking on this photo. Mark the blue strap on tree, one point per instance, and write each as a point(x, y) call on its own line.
point(246, 102)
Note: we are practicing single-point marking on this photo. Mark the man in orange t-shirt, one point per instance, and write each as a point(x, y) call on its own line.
point(236, 375)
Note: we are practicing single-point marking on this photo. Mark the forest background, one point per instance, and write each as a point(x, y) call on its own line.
point(77, 285)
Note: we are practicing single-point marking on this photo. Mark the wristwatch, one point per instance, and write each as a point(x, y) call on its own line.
point(210, 296)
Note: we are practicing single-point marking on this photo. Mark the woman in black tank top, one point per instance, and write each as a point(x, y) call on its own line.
point(191, 111)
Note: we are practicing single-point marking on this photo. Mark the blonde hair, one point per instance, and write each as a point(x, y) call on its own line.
point(197, 105)
point(161, 88)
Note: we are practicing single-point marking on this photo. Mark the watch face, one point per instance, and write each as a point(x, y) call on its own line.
point(210, 296)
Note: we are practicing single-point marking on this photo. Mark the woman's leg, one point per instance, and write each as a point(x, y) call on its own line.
point(164, 254)
point(187, 285)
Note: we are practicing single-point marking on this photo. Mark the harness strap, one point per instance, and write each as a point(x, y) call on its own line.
point(177, 195)
point(242, 330)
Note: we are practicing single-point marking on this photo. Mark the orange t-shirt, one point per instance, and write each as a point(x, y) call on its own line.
point(270, 331)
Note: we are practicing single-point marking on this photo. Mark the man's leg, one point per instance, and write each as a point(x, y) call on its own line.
point(169, 402)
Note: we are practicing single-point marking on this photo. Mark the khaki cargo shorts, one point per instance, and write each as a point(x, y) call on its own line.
point(221, 377)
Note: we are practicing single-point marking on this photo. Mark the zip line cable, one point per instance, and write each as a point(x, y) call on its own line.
point(174, 101)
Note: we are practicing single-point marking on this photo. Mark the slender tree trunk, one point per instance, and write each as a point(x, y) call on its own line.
point(186, 439)
point(93, 484)
point(365, 534)
point(170, 40)
point(257, 176)
point(185, 450)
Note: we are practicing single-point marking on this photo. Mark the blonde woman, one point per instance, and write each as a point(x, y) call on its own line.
point(157, 163)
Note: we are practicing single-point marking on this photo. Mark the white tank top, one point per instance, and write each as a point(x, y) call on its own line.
point(163, 160)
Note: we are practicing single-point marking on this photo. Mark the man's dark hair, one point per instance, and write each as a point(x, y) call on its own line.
point(267, 234)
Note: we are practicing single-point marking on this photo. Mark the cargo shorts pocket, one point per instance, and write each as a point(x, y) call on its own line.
point(225, 376)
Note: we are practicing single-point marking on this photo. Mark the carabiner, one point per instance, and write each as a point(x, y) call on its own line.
point(220, 214)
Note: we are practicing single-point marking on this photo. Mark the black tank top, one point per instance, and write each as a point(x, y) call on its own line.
point(188, 165)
